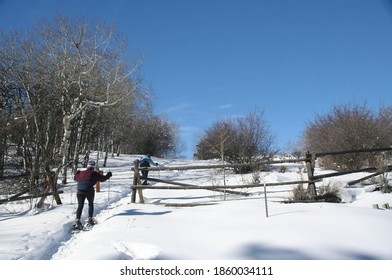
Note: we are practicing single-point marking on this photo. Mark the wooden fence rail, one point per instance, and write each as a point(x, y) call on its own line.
point(219, 166)
point(51, 188)
point(11, 177)
point(138, 187)
point(218, 188)
point(322, 154)
point(17, 198)
point(334, 174)
point(309, 161)
point(178, 185)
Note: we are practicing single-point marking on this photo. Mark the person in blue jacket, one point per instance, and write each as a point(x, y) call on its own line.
point(146, 161)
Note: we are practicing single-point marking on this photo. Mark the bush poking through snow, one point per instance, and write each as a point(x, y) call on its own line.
point(326, 193)
point(385, 186)
point(382, 165)
point(300, 194)
point(329, 192)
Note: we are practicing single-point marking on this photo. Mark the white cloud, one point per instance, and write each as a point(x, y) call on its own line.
point(225, 106)
point(179, 107)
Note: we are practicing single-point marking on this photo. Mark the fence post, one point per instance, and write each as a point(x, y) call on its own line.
point(51, 185)
point(310, 164)
point(265, 201)
point(98, 184)
point(136, 180)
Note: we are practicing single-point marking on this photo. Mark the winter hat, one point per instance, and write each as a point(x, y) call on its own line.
point(91, 163)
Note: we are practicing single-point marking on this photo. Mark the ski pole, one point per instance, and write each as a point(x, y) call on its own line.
point(108, 192)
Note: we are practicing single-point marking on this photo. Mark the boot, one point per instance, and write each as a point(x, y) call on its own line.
point(91, 221)
point(77, 224)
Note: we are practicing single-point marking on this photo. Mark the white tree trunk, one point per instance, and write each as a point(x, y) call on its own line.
point(78, 141)
point(64, 151)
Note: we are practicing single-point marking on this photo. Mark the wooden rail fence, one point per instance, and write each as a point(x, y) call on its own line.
point(309, 160)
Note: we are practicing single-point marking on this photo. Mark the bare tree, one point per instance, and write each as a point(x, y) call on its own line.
point(384, 122)
point(154, 136)
point(65, 90)
point(88, 72)
point(349, 127)
point(51, 83)
point(244, 140)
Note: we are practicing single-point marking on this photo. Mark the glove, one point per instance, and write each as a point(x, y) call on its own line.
point(156, 163)
point(77, 172)
point(109, 174)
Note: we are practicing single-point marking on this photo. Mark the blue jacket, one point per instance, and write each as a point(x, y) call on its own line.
point(144, 160)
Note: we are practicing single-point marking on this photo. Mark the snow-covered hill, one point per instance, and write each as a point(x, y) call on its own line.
point(222, 227)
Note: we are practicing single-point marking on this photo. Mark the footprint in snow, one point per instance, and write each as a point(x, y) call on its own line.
point(136, 251)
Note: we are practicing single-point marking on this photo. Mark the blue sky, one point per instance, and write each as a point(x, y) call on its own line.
point(212, 59)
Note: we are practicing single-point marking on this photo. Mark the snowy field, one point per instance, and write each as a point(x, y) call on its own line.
point(221, 226)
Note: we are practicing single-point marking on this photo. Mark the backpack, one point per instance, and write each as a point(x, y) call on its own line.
point(144, 163)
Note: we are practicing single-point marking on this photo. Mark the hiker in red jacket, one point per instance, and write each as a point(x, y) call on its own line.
point(85, 185)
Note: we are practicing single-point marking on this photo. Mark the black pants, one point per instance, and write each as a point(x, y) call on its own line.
point(82, 195)
point(145, 173)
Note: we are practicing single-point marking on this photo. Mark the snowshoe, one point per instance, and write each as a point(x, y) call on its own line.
point(90, 223)
point(77, 226)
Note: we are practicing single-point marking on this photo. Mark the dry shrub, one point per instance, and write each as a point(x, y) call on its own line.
point(326, 193)
point(300, 193)
point(346, 128)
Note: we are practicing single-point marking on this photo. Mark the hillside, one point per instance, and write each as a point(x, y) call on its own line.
point(221, 227)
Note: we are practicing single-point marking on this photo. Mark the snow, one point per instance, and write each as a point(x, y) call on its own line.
point(219, 226)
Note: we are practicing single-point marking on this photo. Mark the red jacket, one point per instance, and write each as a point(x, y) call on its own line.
point(88, 178)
